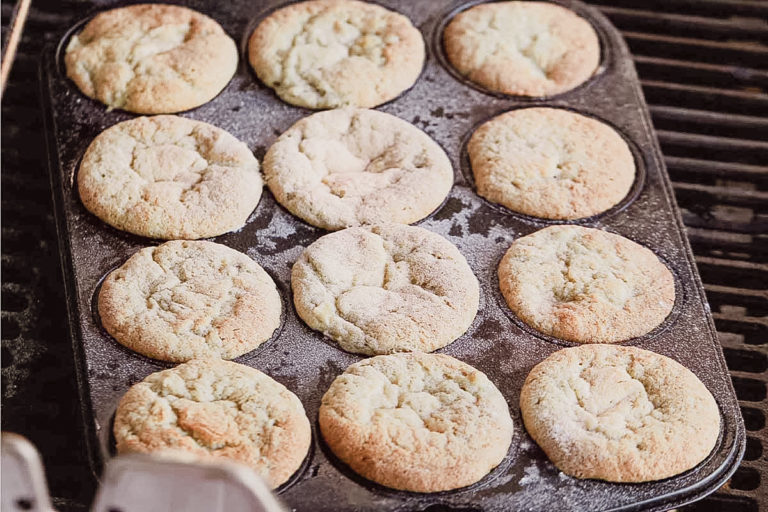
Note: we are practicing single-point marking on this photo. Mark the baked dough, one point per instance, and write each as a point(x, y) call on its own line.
point(586, 285)
point(386, 288)
point(618, 413)
point(522, 48)
point(334, 53)
point(416, 422)
point(189, 299)
point(349, 167)
point(214, 409)
point(151, 58)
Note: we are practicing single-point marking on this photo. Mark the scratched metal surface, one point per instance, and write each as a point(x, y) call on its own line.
point(447, 109)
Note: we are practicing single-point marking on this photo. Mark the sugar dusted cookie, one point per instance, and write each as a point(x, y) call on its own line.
point(386, 288)
point(151, 58)
point(334, 53)
point(551, 163)
point(619, 413)
point(416, 422)
point(216, 409)
point(522, 48)
point(586, 285)
point(169, 177)
point(349, 167)
point(189, 299)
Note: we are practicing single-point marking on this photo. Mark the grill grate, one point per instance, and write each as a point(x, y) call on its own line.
point(704, 71)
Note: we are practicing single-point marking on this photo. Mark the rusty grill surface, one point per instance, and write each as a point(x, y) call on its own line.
point(703, 70)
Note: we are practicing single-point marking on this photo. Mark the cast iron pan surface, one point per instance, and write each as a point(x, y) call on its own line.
point(448, 109)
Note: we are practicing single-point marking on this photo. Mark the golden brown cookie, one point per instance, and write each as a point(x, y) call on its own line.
point(334, 53)
point(551, 163)
point(522, 48)
point(586, 285)
point(416, 422)
point(620, 414)
point(216, 409)
point(151, 58)
point(385, 288)
point(349, 167)
point(184, 300)
point(169, 177)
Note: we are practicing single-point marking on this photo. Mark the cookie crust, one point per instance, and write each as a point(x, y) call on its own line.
point(620, 414)
point(386, 288)
point(586, 285)
point(169, 177)
point(416, 422)
point(333, 53)
point(189, 299)
point(151, 58)
point(349, 167)
point(551, 163)
point(522, 48)
point(216, 409)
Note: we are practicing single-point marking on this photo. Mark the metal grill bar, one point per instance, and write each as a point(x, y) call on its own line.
point(704, 71)
point(696, 50)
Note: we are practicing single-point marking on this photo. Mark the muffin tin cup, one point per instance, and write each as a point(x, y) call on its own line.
point(634, 190)
point(448, 109)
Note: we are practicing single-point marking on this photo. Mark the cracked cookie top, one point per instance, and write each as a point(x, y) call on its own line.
point(416, 422)
point(386, 288)
point(211, 408)
point(151, 58)
point(333, 53)
point(189, 299)
point(349, 167)
point(522, 48)
point(620, 414)
point(586, 285)
point(551, 163)
point(169, 177)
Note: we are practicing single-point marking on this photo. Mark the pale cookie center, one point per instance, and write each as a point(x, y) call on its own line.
point(325, 41)
point(159, 40)
point(125, 57)
point(521, 38)
point(216, 421)
point(349, 175)
point(587, 276)
point(532, 155)
point(389, 287)
point(614, 403)
point(169, 163)
point(421, 400)
point(194, 300)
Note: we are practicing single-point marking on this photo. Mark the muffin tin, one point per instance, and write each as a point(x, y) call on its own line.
point(448, 109)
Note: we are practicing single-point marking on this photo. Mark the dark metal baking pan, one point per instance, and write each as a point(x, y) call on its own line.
point(447, 109)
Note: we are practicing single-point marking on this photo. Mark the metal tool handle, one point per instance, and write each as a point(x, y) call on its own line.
point(17, 26)
point(23, 482)
point(140, 483)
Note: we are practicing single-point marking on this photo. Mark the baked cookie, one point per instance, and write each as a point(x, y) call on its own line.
point(350, 166)
point(169, 177)
point(416, 422)
point(386, 288)
point(551, 163)
point(184, 300)
point(619, 413)
point(586, 285)
point(522, 48)
point(216, 409)
point(333, 53)
point(151, 58)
